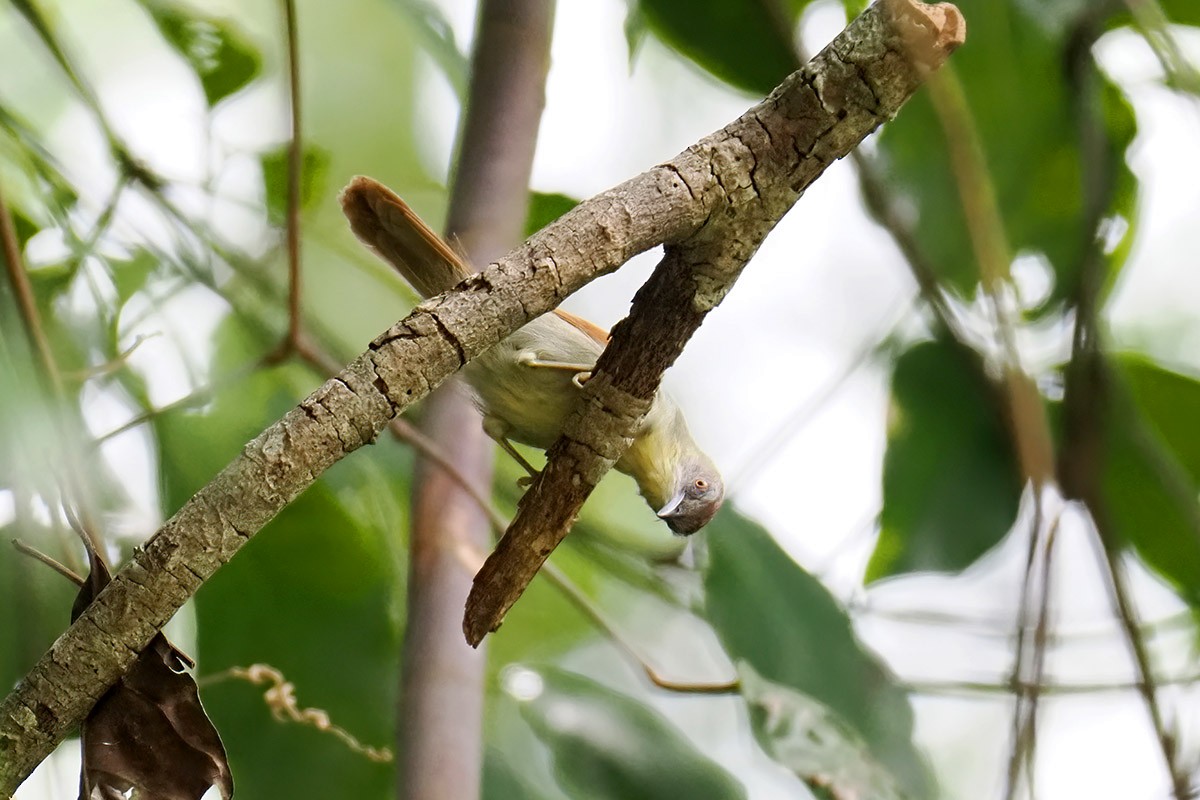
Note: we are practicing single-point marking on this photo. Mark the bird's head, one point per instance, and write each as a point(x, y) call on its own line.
point(677, 479)
point(696, 497)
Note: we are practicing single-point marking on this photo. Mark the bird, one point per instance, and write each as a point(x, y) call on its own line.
point(528, 384)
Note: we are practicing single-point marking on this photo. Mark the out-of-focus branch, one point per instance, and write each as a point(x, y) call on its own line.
point(985, 226)
point(876, 63)
point(668, 203)
point(439, 729)
point(18, 280)
point(1027, 422)
point(1155, 28)
point(73, 485)
point(1088, 401)
point(295, 161)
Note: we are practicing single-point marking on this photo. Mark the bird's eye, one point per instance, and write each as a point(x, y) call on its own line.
point(701, 484)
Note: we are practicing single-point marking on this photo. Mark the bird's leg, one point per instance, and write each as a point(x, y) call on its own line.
point(497, 431)
point(582, 371)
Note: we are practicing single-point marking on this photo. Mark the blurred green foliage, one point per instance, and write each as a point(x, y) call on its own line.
point(610, 747)
point(320, 593)
point(220, 57)
point(788, 629)
point(950, 479)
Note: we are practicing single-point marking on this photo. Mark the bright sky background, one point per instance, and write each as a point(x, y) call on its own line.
point(826, 283)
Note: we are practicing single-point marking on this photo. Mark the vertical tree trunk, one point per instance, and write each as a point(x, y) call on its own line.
point(440, 728)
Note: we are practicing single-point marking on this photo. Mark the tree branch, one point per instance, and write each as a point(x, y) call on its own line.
point(766, 157)
point(757, 167)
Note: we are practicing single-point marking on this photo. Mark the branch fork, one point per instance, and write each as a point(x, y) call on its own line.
point(745, 178)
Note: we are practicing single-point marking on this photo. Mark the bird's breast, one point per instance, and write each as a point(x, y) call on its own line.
point(532, 402)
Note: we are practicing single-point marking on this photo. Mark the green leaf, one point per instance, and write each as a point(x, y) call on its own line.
point(950, 479)
point(813, 742)
point(130, 275)
point(436, 36)
point(1151, 475)
point(1169, 402)
point(24, 227)
point(607, 745)
point(504, 780)
point(216, 51)
point(1182, 12)
point(1030, 135)
point(314, 169)
point(778, 619)
point(749, 45)
point(544, 208)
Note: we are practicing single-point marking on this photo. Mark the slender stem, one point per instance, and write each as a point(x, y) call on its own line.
point(1147, 683)
point(57, 566)
point(295, 156)
point(1155, 28)
point(1028, 425)
point(1088, 403)
point(983, 688)
point(985, 226)
point(585, 606)
point(1023, 730)
point(18, 279)
point(1029, 669)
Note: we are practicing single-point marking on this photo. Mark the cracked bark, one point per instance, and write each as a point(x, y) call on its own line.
point(814, 117)
point(757, 168)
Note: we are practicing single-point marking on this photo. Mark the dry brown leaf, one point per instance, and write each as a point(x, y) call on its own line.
point(149, 733)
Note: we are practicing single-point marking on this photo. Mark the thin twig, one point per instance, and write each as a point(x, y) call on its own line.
point(57, 566)
point(1036, 582)
point(295, 163)
point(295, 156)
point(1027, 420)
point(977, 688)
point(1155, 27)
point(113, 364)
point(1023, 730)
point(1088, 401)
point(585, 606)
point(18, 279)
point(878, 198)
point(280, 698)
point(1147, 684)
point(198, 397)
point(985, 226)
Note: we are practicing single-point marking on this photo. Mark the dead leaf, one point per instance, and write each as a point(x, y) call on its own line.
point(149, 732)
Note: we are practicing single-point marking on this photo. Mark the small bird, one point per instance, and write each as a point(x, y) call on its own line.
point(529, 383)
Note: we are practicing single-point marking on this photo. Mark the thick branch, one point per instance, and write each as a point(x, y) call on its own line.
point(757, 168)
point(813, 118)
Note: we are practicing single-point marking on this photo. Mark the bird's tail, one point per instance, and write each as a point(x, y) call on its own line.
point(386, 224)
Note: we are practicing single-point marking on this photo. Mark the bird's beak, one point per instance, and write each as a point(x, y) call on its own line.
point(671, 507)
